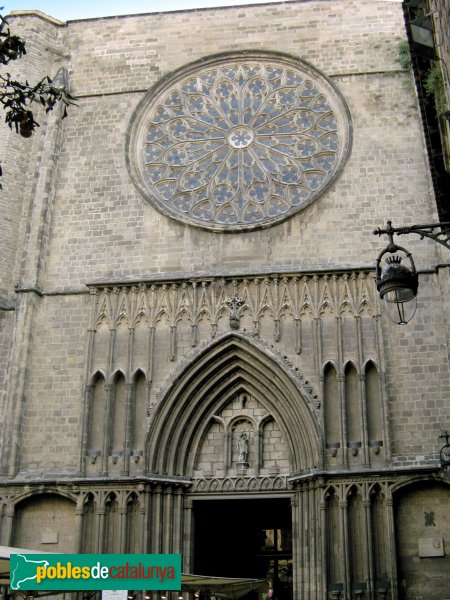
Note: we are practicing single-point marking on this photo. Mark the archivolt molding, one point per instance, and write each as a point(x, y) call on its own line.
point(272, 351)
point(430, 478)
point(32, 492)
point(230, 365)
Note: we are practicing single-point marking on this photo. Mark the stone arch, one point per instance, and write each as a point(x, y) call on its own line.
point(98, 374)
point(133, 524)
point(331, 406)
point(138, 372)
point(330, 364)
point(333, 536)
point(374, 406)
point(94, 425)
point(352, 404)
point(403, 486)
point(116, 374)
point(138, 411)
point(111, 523)
point(265, 420)
point(349, 364)
point(356, 533)
point(55, 515)
point(118, 411)
point(368, 364)
point(229, 365)
point(90, 531)
point(49, 490)
point(379, 532)
point(241, 417)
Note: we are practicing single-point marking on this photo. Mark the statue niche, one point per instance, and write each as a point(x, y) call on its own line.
point(242, 439)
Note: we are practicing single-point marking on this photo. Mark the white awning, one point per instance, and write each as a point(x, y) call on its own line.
point(225, 587)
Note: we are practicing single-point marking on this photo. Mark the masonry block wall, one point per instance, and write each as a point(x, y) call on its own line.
point(93, 276)
point(100, 227)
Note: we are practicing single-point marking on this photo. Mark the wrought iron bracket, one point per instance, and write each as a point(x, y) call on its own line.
point(438, 232)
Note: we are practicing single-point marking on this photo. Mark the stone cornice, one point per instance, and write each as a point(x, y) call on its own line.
point(36, 13)
point(388, 473)
point(224, 274)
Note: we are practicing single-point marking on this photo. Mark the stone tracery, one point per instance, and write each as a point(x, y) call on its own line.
point(241, 141)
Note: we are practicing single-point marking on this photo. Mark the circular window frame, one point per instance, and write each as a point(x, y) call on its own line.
point(142, 115)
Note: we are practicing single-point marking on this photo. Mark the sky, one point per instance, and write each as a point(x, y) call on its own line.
point(86, 9)
point(65, 10)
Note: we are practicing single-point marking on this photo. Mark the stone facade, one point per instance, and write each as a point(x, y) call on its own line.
point(156, 372)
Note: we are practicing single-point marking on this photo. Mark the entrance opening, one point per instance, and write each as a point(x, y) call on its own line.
point(245, 538)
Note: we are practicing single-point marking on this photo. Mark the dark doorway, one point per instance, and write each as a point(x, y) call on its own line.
point(245, 538)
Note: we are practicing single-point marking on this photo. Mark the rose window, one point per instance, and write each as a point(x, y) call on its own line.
point(239, 142)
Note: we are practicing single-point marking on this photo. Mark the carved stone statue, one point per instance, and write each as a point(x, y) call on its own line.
point(243, 447)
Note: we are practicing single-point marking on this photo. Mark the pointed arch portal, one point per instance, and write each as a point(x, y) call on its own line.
point(231, 365)
point(209, 405)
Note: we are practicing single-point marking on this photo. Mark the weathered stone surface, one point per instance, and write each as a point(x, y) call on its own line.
point(136, 350)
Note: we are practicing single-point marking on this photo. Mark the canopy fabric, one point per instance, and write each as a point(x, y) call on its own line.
point(224, 587)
